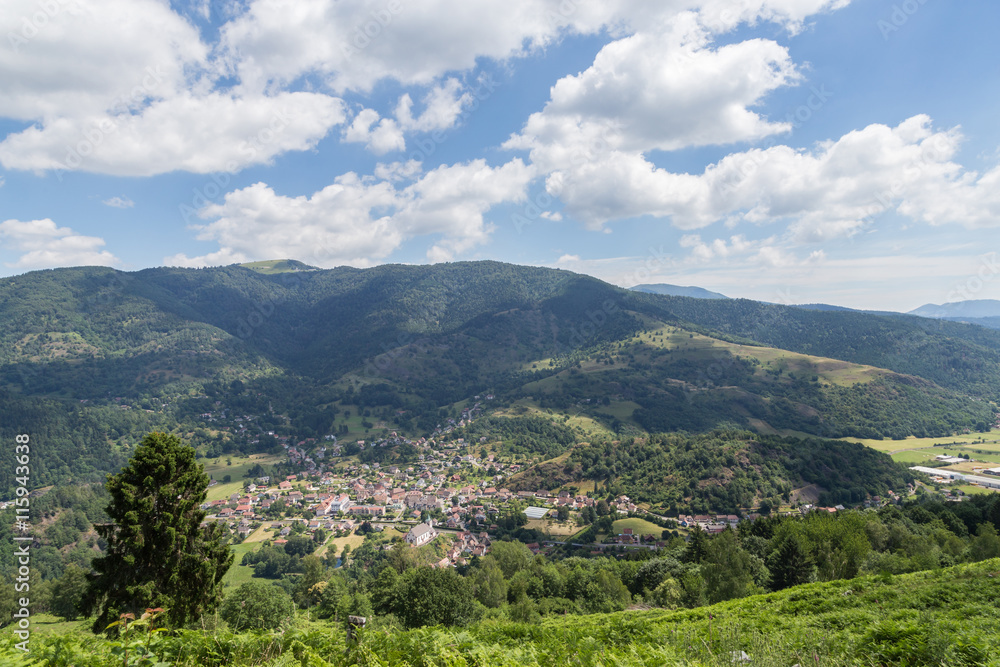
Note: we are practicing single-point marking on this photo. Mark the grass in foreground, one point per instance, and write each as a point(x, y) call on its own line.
point(947, 617)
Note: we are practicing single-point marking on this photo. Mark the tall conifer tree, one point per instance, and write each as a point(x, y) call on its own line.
point(158, 553)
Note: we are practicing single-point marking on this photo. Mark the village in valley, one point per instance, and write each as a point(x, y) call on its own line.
point(451, 498)
point(452, 495)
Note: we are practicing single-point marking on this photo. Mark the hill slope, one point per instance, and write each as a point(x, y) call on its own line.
point(944, 617)
point(722, 471)
point(956, 356)
point(91, 358)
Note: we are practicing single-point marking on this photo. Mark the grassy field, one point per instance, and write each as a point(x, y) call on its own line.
point(828, 371)
point(922, 451)
point(991, 437)
point(621, 409)
point(989, 459)
point(240, 574)
point(47, 624)
point(552, 527)
point(638, 526)
point(275, 266)
point(970, 488)
point(237, 575)
point(583, 424)
point(992, 448)
point(353, 539)
point(262, 533)
point(218, 468)
point(916, 457)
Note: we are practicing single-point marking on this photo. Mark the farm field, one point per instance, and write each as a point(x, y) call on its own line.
point(991, 437)
point(339, 543)
point(970, 489)
point(917, 457)
point(638, 526)
point(984, 458)
point(218, 468)
point(239, 574)
point(553, 528)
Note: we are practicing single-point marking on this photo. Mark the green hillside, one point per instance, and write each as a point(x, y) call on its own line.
point(273, 266)
point(944, 617)
point(721, 471)
point(951, 354)
point(92, 358)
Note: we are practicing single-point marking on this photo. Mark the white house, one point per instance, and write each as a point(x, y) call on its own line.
point(420, 534)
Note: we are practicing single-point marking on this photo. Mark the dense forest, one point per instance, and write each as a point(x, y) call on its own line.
point(722, 471)
point(91, 358)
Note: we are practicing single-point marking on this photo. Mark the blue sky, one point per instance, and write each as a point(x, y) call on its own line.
point(793, 151)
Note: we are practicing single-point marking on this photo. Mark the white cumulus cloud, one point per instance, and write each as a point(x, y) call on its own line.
point(119, 202)
point(359, 221)
point(45, 246)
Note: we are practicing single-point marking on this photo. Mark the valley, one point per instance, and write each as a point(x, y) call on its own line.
point(349, 423)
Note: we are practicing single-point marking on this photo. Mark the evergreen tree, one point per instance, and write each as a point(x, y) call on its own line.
point(694, 552)
point(158, 554)
point(790, 564)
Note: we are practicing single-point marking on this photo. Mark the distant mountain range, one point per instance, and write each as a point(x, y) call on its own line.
point(985, 312)
point(677, 290)
point(975, 308)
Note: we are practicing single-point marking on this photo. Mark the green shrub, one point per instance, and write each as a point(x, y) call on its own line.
point(257, 605)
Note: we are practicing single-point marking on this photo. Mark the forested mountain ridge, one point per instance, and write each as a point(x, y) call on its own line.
point(352, 314)
point(92, 358)
point(951, 354)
